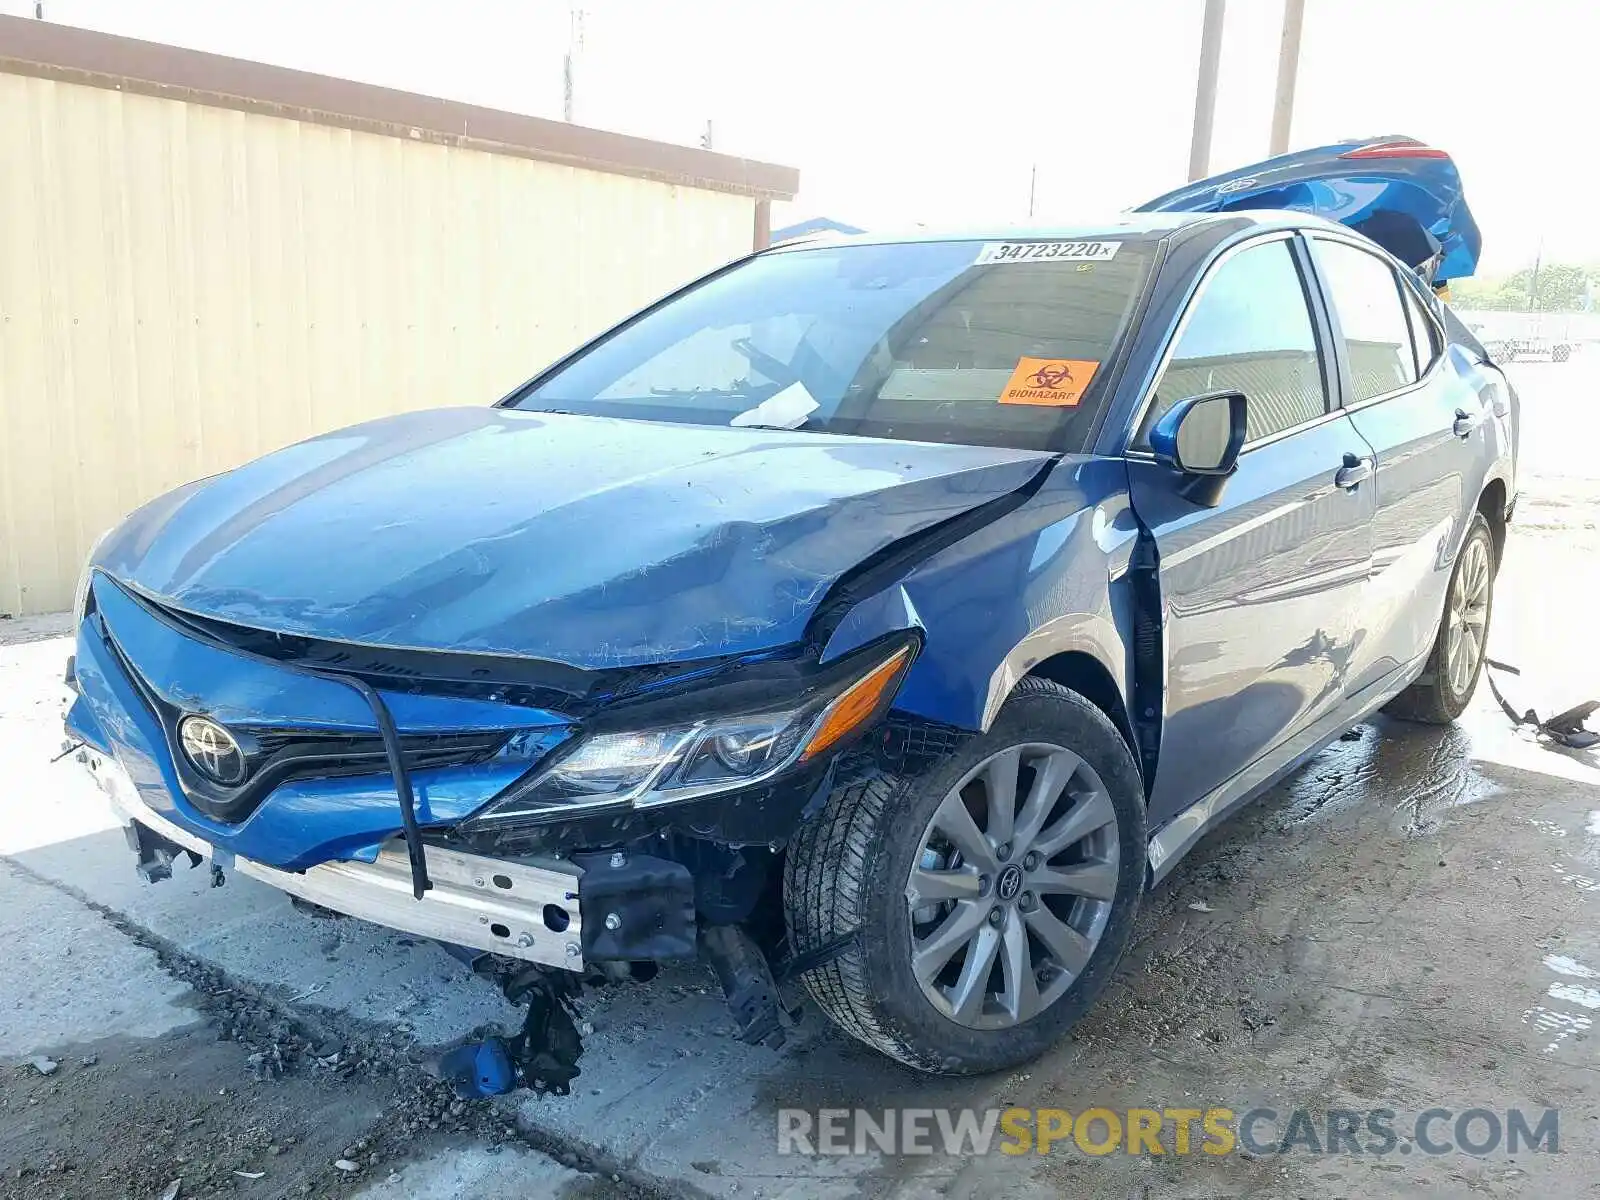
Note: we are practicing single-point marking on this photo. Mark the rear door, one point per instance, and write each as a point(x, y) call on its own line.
point(1261, 591)
point(1425, 424)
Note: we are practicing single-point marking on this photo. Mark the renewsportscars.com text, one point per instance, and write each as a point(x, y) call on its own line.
point(1159, 1131)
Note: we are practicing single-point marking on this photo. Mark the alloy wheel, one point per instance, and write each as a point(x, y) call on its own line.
point(1468, 616)
point(1012, 885)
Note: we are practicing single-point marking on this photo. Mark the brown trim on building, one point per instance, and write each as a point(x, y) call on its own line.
point(763, 237)
point(62, 52)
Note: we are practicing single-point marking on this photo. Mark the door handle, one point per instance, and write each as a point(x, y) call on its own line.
point(1465, 423)
point(1354, 473)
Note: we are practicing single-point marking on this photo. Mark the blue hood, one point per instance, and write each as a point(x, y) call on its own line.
point(582, 540)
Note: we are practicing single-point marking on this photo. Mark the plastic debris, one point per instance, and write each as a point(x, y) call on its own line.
point(1201, 906)
point(482, 1068)
point(344, 1164)
point(43, 1065)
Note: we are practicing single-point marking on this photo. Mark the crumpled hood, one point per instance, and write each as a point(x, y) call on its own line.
point(582, 540)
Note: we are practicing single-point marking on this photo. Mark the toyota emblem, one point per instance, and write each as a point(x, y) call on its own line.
point(212, 750)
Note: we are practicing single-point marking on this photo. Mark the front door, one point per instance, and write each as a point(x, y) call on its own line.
point(1260, 592)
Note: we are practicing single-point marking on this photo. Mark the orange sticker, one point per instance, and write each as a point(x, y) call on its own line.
point(1049, 382)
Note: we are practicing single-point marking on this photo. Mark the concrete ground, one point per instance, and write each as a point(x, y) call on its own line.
point(1408, 922)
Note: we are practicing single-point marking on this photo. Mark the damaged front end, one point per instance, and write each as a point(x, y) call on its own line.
point(522, 682)
point(528, 816)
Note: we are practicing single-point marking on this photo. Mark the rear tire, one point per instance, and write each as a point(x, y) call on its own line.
point(877, 864)
point(1456, 661)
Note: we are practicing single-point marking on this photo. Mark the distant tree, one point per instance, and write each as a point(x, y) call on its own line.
point(1561, 287)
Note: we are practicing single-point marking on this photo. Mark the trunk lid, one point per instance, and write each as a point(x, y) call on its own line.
point(1404, 195)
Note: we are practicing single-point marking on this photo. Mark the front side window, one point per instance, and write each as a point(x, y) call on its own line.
point(1250, 331)
point(1002, 344)
point(1366, 298)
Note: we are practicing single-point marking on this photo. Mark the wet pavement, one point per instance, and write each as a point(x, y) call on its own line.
point(1407, 923)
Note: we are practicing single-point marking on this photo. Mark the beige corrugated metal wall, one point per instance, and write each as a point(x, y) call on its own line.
point(185, 287)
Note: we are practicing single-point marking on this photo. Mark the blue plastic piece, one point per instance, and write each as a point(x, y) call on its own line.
point(479, 1069)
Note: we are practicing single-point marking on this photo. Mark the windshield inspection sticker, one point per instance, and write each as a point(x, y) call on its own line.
point(1014, 252)
point(1049, 382)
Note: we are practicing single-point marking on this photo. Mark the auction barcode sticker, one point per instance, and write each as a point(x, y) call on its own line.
point(1011, 252)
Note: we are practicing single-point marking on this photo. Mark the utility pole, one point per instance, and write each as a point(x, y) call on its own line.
point(705, 138)
point(1205, 94)
point(1033, 187)
point(574, 47)
point(1533, 280)
point(1294, 15)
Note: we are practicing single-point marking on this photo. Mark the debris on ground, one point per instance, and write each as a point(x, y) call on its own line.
point(328, 1097)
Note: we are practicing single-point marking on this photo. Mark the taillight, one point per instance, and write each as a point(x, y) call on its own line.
point(1396, 148)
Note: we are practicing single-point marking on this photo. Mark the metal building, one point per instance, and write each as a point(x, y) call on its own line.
point(203, 258)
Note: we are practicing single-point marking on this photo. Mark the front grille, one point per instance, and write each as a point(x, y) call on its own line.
point(277, 756)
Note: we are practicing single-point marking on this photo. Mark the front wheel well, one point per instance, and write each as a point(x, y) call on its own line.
point(1088, 676)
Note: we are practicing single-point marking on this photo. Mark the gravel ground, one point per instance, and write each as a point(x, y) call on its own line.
point(244, 1095)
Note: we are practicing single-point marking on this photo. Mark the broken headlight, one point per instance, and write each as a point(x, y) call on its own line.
point(648, 767)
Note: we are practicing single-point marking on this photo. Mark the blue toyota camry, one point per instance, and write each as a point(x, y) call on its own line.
point(883, 614)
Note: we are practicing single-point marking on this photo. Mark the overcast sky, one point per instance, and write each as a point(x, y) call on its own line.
point(936, 112)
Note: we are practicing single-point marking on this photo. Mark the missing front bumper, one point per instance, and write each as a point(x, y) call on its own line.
point(520, 910)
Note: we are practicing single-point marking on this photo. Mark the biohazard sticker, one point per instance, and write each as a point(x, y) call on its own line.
point(1049, 382)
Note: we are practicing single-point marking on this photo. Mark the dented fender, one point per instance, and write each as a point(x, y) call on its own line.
point(1043, 580)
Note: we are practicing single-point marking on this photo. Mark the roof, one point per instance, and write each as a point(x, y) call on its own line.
point(1135, 224)
point(62, 52)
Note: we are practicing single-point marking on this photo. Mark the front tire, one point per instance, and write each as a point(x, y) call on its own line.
point(990, 898)
point(1448, 681)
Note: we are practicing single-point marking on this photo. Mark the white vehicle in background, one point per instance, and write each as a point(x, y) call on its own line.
point(1513, 349)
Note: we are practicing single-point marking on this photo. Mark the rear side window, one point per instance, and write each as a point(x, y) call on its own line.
point(1424, 336)
point(1372, 319)
point(1249, 331)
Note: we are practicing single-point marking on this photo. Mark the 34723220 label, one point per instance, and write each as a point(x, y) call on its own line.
point(1016, 252)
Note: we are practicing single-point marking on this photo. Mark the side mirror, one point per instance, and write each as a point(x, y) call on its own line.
point(1202, 435)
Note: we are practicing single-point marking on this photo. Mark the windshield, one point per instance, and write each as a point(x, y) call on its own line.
point(984, 343)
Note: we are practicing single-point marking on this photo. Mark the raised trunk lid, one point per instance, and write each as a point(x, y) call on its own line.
point(1401, 193)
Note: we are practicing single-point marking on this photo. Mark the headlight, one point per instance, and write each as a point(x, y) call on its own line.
point(80, 595)
point(645, 768)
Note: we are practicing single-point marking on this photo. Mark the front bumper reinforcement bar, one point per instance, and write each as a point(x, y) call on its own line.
point(517, 909)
